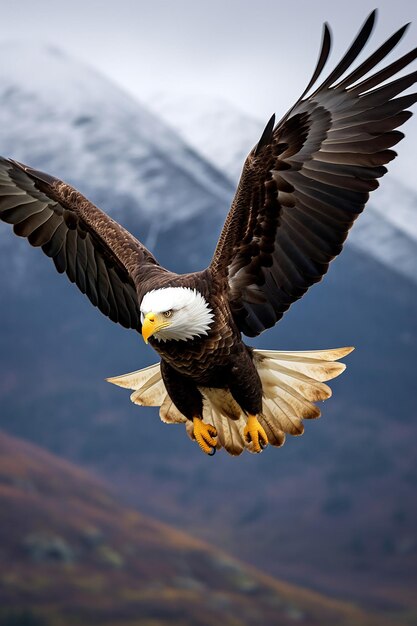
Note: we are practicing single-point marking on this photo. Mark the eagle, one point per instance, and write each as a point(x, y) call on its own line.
point(302, 187)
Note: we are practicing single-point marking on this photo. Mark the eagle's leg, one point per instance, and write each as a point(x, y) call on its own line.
point(204, 435)
point(254, 433)
point(246, 388)
point(188, 399)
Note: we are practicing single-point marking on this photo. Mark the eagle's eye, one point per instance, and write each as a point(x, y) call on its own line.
point(167, 313)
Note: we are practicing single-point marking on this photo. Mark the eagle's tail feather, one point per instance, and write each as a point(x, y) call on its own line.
point(148, 386)
point(135, 380)
point(291, 381)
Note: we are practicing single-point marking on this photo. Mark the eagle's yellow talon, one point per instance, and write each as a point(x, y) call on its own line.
point(204, 435)
point(254, 433)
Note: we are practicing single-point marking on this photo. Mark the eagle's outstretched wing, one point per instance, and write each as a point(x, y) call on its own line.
point(307, 180)
point(100, 256)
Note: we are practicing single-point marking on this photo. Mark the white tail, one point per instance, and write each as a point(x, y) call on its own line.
point(291, 382)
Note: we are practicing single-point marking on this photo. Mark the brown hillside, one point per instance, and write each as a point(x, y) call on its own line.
point(70, 554)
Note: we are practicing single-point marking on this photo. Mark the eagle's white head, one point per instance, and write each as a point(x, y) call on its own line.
point(177, 313)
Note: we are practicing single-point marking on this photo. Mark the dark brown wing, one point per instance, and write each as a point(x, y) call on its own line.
point(102, 258)
point(307, 180)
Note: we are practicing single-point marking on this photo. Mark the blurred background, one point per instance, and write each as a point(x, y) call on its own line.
point(107, 515)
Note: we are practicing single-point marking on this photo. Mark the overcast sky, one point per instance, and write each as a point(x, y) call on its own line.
point(255, 54)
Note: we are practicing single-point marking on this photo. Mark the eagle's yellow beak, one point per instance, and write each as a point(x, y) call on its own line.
point(152, 323)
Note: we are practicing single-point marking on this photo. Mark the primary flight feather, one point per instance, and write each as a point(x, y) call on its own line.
point(302, 187)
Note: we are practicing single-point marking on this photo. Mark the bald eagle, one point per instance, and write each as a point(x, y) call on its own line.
point(302, 187)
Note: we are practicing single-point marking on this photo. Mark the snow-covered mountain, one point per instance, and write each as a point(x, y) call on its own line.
point(70, 121)
point(224, 135)
point(213, 127)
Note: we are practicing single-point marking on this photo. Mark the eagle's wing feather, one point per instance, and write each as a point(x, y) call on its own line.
point(307, 180)
point(100, 256)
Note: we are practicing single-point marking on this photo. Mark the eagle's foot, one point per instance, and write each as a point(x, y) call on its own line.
point(255, 434)
point(204, 435)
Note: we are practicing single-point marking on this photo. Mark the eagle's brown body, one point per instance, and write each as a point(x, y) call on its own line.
point(302, 187)
point(194, 358)
point(219, 359)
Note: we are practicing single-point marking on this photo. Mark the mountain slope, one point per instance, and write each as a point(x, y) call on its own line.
point(71, 554)
point(224, 136)
point(66, 119)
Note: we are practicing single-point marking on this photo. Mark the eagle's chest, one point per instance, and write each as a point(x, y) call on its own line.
point(203, 359)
